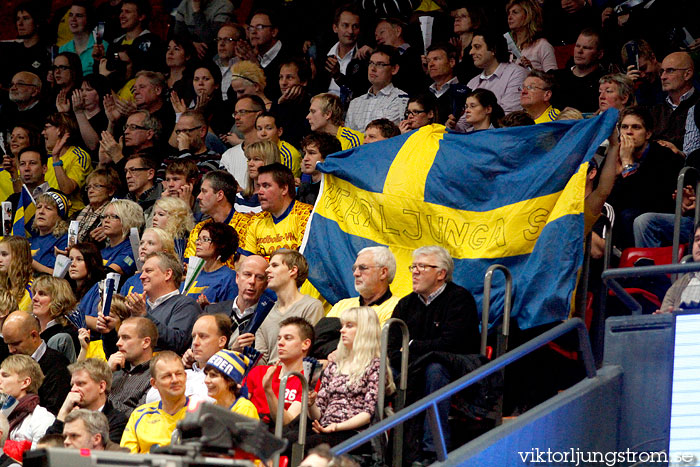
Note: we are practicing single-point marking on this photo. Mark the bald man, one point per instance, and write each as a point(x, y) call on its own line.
point(25, 102)
point(677, 71)
point(21, 334)
point(251, 279)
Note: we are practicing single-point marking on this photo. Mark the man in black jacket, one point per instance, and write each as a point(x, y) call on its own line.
point(441, 317)
point(21, 334)
point(91, 382)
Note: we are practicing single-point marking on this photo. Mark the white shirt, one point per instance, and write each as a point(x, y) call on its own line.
point(444, 88)
point(194, 387)
point(153, 304)
point(234, 162)
point(343, 62)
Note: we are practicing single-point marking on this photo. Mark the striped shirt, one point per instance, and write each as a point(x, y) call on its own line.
point(130, 386)
point(290, 156)
point(349, 138)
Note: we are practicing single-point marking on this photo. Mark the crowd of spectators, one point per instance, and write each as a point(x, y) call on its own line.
point(203, 135)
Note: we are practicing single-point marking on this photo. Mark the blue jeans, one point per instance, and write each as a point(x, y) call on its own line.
point(653, 230)
point(436, 377)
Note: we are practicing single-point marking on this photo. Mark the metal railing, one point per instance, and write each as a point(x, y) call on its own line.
point(679, 208)
point(298, 447)
point(400, 400)
point(611, 276)
point(430, 401)
point(502, 343)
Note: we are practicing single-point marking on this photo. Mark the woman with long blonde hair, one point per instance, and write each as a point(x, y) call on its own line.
point(175, 217)
point(525, 41)
point(349, 385)
point(16, 270)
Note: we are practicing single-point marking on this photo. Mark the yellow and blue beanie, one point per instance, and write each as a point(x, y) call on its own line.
point(230, 363)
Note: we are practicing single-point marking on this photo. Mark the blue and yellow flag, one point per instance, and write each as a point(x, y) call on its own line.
point(512, 196)
point(24, 216)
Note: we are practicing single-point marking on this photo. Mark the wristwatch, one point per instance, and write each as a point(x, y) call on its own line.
point(629, 169)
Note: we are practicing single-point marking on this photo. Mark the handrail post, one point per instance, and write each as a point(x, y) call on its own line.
point(486, 308)
point(599, 323)
point(298, 447)
point(679, 210)
point(401, 388)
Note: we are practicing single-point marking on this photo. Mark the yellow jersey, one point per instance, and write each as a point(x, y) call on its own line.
point(384, 310)
point(236, 220)
point(290, 157)
point(349, 138)
point(77, 164)
point(148, 425)
point(265, 233)
point(548, 115)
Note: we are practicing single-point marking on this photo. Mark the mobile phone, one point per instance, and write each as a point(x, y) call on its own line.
point(632, 50)
point(99, 32)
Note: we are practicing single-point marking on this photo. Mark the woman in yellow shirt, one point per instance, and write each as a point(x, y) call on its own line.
point(16, 270)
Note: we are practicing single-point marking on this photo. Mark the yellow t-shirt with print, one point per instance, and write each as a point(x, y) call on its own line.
point(265, 234)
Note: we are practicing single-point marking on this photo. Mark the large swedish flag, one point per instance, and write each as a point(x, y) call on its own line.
point(25, 214)
point(513, 196)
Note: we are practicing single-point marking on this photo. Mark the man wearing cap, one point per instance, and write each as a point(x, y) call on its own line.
point(154, 423)
point(224, 373)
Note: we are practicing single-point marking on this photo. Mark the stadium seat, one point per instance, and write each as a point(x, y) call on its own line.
point(662, 255)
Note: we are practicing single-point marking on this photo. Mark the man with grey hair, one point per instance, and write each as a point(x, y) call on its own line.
point(373, 272)
point(86, 429)
point(441, 317)
point(25, 105)
point(173, 313)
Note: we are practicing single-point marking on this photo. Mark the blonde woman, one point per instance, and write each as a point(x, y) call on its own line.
point(51, 230)
point(52, 301)
point(524, 38)
point(348, 395)
point(153, 239)
point(16, 270)
point(258, 154)
point(118, 218)
point(175, 217)
point(20, 378)
point(249, 78)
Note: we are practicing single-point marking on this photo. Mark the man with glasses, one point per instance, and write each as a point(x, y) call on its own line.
point(191, 130)
point(226, 39)
point(141, 182)
point(373, 273)
point(535, 97)
point(267, 50)
point(25, 104)
point(247, 109)
point(670, 117)
point(383, 100)
point(441, 317)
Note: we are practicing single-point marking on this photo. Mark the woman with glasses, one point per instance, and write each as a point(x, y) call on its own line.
point(216, 243)
point(118, 218)
point(347, 397)
point(16, 270)
point(67, 77)
point(421, 111)
point(100, 186)
point(50, 230)
point(153, 240)
point(174, 216)
point(481, 112)
point(52, 301)
point(467, 18)
point(525, 43)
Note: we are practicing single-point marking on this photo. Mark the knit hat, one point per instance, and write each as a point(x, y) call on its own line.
point(230, 363)
point(62, 202)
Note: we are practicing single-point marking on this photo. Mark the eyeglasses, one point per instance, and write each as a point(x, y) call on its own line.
point(61, 67)
point(413, 113)
point(133, 127)
point(132, 170)
point(670, 71)
point(95, 186)
point(114, 217)
point(531, 87)
point(20, 83)
point(203, 240)
point(187, 130)
point(421, 267)
point(379, 64)
point(227, 39)
point(244, 112)
point(362, 267)
point(258, 27)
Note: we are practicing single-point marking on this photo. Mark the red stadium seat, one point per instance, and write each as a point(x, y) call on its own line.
point(662, 255)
